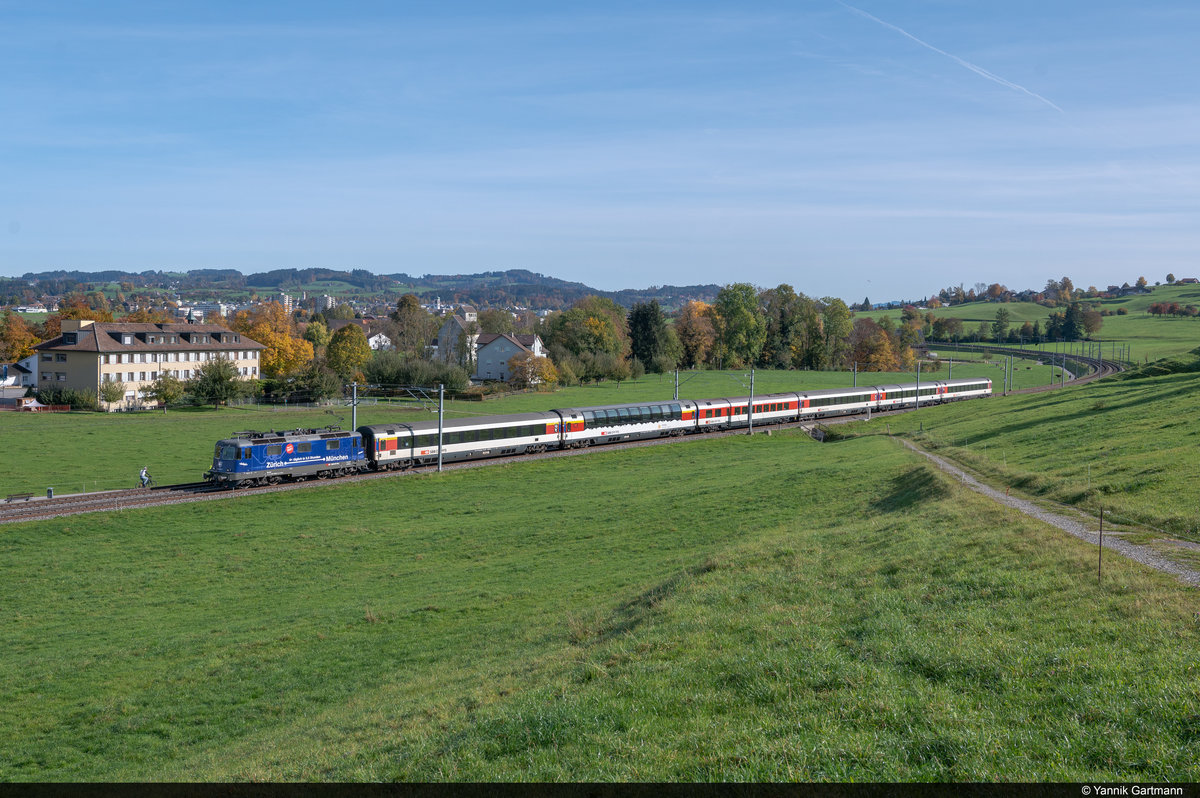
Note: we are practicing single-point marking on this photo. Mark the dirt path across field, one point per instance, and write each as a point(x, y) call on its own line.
point(1081, 526)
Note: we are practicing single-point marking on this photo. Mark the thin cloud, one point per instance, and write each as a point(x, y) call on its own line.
point(978, 70)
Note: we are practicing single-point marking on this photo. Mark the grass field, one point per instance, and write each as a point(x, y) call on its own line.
point(78, 452)
point(1149, 338)
point(758, 608)
point(1123, 444)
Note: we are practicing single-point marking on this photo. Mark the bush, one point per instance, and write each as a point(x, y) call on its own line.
point(391, 370)
point(78, 399)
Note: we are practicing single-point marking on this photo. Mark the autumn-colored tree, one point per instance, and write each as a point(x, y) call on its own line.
point(695, 331)
point(348, 351)
point(271, 326)
point(78, 308)
point(528, 370)
point(871, 347)
point(151, 317)
point(17, 338)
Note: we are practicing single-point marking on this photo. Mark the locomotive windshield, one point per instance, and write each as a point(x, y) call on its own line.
point(226, 452)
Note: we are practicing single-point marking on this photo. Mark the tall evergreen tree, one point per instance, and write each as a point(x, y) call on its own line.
point(648, 333)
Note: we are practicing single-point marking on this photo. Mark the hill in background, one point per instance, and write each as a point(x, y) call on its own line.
point(515, 287)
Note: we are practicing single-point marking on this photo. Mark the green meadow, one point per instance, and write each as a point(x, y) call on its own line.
point(762, 608)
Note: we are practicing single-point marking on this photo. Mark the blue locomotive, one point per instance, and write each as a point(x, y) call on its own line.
point(268, 458)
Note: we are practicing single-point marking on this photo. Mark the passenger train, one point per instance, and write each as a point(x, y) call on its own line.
point(268, 458)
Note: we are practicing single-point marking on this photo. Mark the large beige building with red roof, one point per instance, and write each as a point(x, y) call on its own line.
point(89, 353)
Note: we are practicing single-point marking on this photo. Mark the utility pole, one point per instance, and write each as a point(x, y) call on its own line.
point(354, 406)
point(675, 397)
point(855, 385)
point(917, 404)
point(750, 407)
point(441, 420)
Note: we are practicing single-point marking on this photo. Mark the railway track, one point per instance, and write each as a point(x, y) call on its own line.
point(37, 508)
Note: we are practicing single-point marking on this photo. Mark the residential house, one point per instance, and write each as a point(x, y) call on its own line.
point(372, 329)
point(493, 351)
point(456, 339)
point(89, 353)
point(20, 374)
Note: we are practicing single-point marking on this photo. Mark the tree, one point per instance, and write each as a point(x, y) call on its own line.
point(412, 327)
point(348, 351)
point(837, 326)
point(464, 352)
point(319, 382)
point(785, 313)
point(1000, 325)
point(17, 338)
point(648, 334)
point(1092, 322)
point(496, 320)
point(271, 326)
point(947, 329)
point(1170, 279)
point(527, 370)
point(1072, 329)
point(317, 334)
point(167, 389)
point(589, 326)
point(1141, 282)
point(870, 346)
point(215, 381)
point(695, 332)
point(739, 324)
point(112, 391)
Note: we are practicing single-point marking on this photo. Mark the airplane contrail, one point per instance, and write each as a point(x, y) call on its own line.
point(978, 70)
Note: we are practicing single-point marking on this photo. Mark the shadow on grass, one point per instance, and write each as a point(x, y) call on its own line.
point(910, 489)
point(634, 612)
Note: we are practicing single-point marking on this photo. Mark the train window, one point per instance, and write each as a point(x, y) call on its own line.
point(274, 449)
point(333, 444)
point(623, 414)
point(246, 453)
point(227, 452)
point(303, 447)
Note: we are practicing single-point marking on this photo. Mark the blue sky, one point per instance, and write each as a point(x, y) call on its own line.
point(871, 148)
